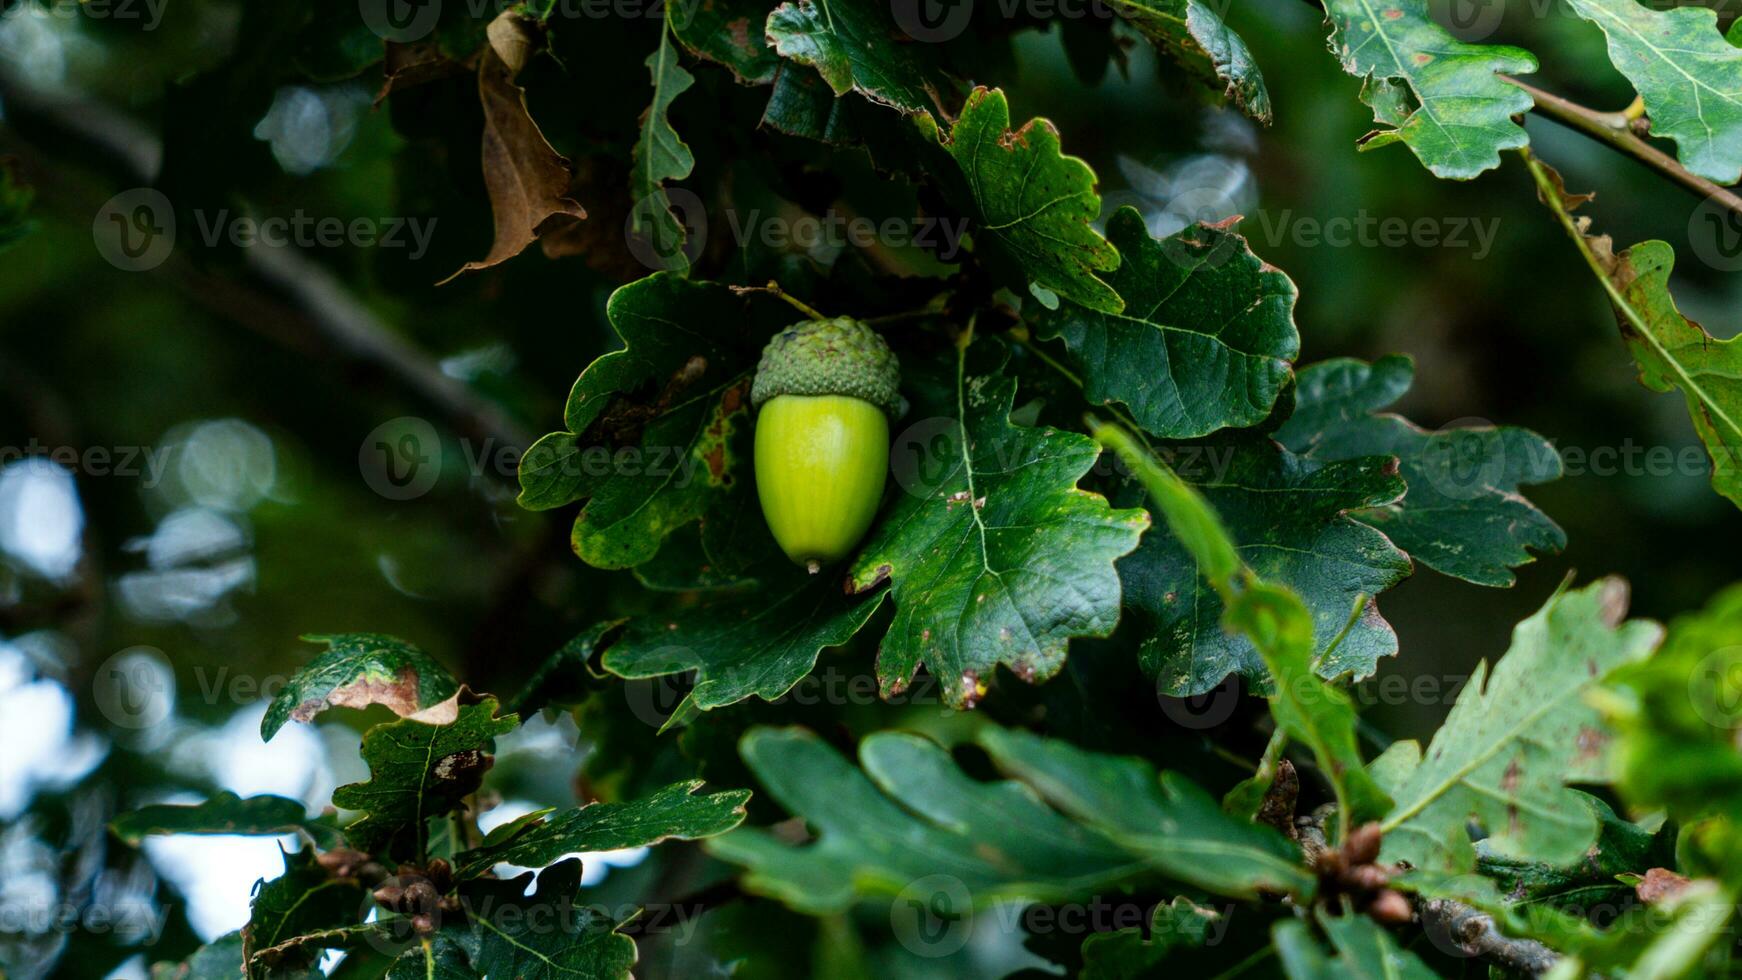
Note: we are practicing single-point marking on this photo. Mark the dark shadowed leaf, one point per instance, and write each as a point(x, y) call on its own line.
point(657, 431)
point(1194, 36)
point(675, 812)
point(912, 823)
point(418, 771)
point(1289, 518)
point(549, 934)
point(225, 813)
point(1463, 514)
point(996, 556)
point(1205, 339)
point(852, 45)
point(1032, 206)
point(307, 898)
point(761, 643)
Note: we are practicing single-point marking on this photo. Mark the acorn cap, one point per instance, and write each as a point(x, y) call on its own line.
point(829, 357)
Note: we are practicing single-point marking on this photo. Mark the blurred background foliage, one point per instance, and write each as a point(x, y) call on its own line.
point(259, 525)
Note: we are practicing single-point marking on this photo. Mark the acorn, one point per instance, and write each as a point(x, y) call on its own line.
point(824, 393)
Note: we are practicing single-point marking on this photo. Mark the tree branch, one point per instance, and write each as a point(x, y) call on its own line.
point(1617, 130)
point(1474, 934)
point(319, 307)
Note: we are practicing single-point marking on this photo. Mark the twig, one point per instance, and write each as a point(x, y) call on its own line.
point(1616, 129)
point(321, 304)
point(773, 289)
point(1474, 934)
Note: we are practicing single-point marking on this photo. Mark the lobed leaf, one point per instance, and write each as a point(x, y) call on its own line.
point(1672, 351)
point(419, 771)
point(1515, 737)
point(1463, 514)
point(760, 644)
point(996, 556)
point(1441, 97)
point(1688, 74)
point(358, 670)
point(657, 432)
point(674, 812)
point(1205, 339)
point(912, 819)
point(1032, 206)
point(1193, 35)
point(660, 155)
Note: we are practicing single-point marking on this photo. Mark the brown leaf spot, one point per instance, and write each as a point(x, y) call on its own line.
point(1659, 884)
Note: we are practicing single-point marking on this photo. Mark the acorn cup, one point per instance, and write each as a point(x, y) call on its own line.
point(825, 391)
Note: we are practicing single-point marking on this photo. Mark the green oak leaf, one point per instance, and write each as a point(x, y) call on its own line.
point(996, 555)
point(1193, 35)
point(566, 677)
point(1125, 953)
point(358, 670)
point(225, 813)
point(1593, 880)
point(1364, 951)
point(1289, 518)
point(656, 433)
point(851, 44)
point(1674, 352)
point(220, 959)
point(674, 812)
point(660, 155)
point(761, 643)
point(418, 771)
point(912, 820)
point(545, 935)
point(1689, 76)
point(1179, 829)
point(437, 957)
point(1205, 339)
point(305, 899)
point(1278, 626)
point(1032, 206)
point(1687, 935)
point(1515, 737)
point(729, 33)
point(1463, 514)
point(1443, 98)
point(1679, 718)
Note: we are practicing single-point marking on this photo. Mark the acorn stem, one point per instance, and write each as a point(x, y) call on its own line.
point(798, 304)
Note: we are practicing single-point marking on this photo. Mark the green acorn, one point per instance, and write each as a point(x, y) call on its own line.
point(825, 392)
